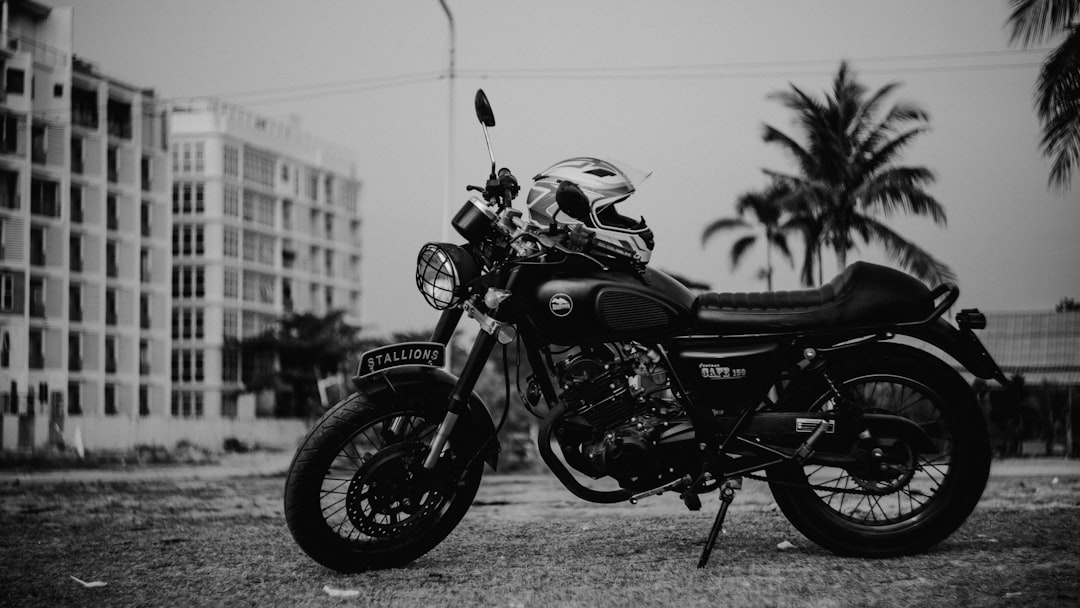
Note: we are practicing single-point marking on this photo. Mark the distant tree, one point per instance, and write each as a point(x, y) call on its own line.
point(1057, 92)
point(290, 357)
point(766, 208)
point(1067, 305)
point(848, 181)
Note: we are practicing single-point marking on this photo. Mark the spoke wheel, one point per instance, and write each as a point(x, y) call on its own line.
point(896, 500)
point(361, 498)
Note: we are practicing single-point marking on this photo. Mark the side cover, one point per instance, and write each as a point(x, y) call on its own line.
point(430, 388)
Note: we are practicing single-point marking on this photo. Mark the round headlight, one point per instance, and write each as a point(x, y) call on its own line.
point(441, 271)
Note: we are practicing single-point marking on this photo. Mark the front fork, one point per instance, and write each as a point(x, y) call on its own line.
point(459, 399)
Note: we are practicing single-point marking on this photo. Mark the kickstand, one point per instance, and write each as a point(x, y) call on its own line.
point(727, 494)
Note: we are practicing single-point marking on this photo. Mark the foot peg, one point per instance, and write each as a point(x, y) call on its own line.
point(727, 494)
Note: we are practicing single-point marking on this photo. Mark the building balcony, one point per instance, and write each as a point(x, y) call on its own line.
point(37, 360)
point(37, 258)
point(37, 310)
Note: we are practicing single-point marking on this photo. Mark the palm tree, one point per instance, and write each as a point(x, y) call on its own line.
point(767, 207)
point(848, 181)
point(1057, 93)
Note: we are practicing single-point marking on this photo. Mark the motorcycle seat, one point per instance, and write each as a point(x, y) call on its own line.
point(863, 295)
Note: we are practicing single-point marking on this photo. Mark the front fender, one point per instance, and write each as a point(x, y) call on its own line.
point(475, 430)
point(961, 344)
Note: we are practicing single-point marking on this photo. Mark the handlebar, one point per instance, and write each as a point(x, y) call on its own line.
point(500, 189)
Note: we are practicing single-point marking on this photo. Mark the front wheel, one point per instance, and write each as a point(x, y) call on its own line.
point(357, 496)
point(902, 500)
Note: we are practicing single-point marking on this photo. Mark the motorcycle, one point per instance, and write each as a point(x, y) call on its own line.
point(871, 445)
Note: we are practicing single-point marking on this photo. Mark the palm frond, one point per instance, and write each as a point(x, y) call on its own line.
point(910, 256)
point(722, 224)
point(1034, 21)
point(807, 162)
point(887, 151)
point(739, 249)
point(779, 240)
point(1058, 101)
point(900, 189)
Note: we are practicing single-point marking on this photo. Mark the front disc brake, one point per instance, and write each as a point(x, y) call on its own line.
point(392, 492)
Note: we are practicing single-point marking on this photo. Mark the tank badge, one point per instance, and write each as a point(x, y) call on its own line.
point(715, 371)
point(561, 305)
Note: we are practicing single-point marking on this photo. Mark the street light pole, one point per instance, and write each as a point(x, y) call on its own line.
point(449, 153)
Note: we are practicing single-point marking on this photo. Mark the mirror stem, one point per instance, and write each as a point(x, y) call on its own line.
point(491, 151)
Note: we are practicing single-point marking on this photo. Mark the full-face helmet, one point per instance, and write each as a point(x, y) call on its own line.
point(603, 184)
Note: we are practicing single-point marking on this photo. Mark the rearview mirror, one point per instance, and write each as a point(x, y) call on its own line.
point(483, 109)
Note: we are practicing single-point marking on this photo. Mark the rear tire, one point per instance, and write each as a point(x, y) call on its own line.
point(903, 512)
point(357, 496)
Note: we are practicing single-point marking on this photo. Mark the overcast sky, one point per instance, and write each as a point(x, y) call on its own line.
point(676, 88)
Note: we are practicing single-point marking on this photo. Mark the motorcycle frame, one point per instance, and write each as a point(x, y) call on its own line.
point(794, 348)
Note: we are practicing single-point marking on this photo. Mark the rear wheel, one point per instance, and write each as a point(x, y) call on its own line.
point(357, 496)
point(899, 499)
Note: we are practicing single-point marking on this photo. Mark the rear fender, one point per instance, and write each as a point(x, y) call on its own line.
point(474, 429)
point(962, 344)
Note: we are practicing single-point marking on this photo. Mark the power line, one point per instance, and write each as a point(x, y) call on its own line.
point(726, 70)
point(338, 84)
point(778, 64)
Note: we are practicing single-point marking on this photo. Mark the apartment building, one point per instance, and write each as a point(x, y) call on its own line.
point(84, 242)
point(265, 222)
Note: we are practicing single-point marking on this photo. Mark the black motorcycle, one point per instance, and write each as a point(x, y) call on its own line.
point(871, 445)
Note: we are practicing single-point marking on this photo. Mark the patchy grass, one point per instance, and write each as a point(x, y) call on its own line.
point(525, 543)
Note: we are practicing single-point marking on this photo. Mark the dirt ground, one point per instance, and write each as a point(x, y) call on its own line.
point(216, 536)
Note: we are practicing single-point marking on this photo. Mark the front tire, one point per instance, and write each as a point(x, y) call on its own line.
point(921, 498)
point(357, 496)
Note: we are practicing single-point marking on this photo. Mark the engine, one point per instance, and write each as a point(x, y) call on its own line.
point(621, 419)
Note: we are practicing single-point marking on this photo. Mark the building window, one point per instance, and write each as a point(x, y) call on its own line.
point(231, 201)
point(188, 240)
point(187, 404)
point(110, 400)
point(75, 307)
point(188, 198)
point(230, 364)
point(74, 399)
point(5, 350)
point(231, 160)
point(258, 287)
point(231, 244)
point(15, 82)
point(76, 204)
point(7, 293)
point(187, 323)
point(187, 365)
point(110, 355)
point(230, 322)
point(231, 288)
point(144, 400)
point(188, 282)
point(258, 167)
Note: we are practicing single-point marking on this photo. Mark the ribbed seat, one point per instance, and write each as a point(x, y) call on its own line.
point(863, 295)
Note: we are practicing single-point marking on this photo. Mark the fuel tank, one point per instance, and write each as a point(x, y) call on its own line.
point(582, 304)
